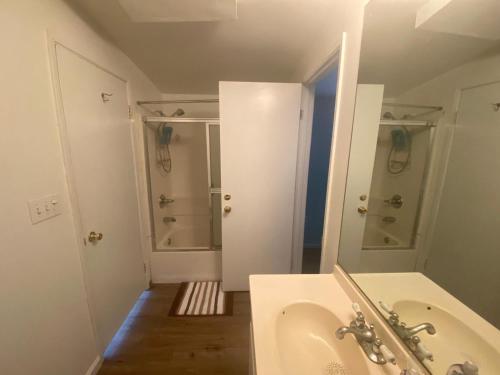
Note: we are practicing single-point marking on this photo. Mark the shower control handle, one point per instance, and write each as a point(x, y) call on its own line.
point(94, 237)
point(163, 200)
point(227, 209)
point(395, 201)
point(362, 210)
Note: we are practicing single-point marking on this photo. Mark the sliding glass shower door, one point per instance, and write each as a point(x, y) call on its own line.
point(184, 184)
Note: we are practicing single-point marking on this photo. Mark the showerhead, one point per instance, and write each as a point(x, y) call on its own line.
point(178, 112)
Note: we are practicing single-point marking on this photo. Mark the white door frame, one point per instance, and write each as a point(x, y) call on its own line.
point(303, 153)
point(52, 43)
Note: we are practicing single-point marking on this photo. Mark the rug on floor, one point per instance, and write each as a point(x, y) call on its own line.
point(202, 298)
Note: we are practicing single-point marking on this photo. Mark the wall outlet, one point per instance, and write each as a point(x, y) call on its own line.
point(44, 208)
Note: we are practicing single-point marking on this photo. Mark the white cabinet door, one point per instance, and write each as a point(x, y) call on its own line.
point(100, 164)
point(259, 137)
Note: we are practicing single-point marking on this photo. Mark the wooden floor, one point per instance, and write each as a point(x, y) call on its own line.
point(155, 343)
point(311, 260)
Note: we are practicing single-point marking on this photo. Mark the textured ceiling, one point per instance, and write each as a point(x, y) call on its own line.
point(268, 42)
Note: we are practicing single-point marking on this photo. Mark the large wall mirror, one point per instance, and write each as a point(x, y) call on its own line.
point(421, 221)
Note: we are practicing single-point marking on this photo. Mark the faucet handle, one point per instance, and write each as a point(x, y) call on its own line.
point(421, 351)
point(387, 354)
point(385, 307)
point(424, 352)
point(393, 316)
point(356, 308)
point(359, 314)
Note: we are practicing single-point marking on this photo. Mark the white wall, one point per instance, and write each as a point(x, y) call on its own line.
point(46, 328)
point(464, 265)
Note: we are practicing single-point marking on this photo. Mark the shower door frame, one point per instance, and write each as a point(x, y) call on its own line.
point(418, 231)
point(206, 122)
point(211, 190)
point(416, 227)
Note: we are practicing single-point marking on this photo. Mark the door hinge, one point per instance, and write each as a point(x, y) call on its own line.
point(84, 241)
point(130, 112)
point(145, 268)
point(301, 114)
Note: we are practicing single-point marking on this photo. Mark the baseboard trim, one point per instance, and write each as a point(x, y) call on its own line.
point(175, 279)
point(95, 366)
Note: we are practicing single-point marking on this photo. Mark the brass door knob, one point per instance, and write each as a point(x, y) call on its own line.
point(362, 210)
point(94, 237)
point(227, 209)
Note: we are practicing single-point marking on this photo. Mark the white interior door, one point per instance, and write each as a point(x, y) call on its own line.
point(259, 137)
point(361, 159)
point(100, 164)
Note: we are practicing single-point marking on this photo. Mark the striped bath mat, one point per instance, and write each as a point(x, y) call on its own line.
point(202, 298)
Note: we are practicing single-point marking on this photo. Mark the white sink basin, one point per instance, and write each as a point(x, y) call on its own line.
point(454, 341)
point(305, 337)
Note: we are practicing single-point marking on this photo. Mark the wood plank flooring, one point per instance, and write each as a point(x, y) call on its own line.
point(154, 343)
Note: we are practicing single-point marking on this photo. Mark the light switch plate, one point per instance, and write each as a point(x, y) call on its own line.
point(44, 208)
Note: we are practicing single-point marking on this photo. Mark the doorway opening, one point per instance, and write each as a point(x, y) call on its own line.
point(319, 160)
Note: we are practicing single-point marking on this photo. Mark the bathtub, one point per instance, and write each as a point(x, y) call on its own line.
point(379, 239)
point(187, 233)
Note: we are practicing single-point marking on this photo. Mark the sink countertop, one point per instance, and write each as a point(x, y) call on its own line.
point(414, 286)
point(269, 294)
point(418, 287)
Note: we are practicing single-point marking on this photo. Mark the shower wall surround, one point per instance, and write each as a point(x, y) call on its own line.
point(185, 189)
point(392, 225)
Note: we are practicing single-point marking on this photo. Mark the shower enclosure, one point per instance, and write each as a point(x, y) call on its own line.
point(183, 163)
point(397, 183)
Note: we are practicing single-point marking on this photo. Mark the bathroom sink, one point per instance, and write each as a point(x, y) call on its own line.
point(454, 341)
point(306, 343)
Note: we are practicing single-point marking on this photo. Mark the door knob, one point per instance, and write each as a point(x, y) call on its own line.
point(362, 210)
point(227, 209)
point(94, 237)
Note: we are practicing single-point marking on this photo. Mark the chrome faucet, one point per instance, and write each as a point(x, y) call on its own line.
point(409, 334)
point(169, 219)
point(366, 337)
point(467, 368)
point(163, 200)
point(428, 327)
